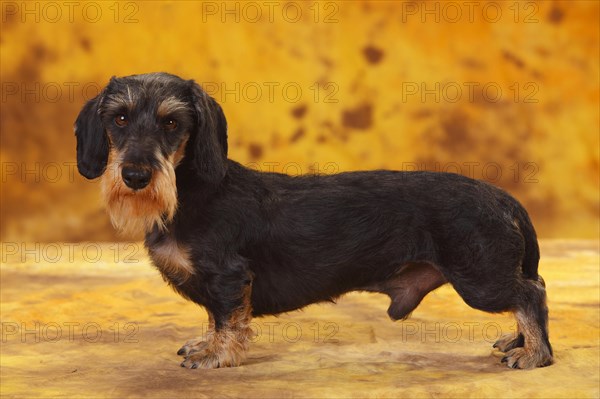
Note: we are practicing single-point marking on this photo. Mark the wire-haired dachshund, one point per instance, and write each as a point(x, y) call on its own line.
point(243, 243)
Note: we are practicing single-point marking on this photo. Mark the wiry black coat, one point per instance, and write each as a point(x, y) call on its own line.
point(312, 238)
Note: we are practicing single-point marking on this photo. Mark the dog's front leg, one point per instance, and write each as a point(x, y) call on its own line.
point(229, 332)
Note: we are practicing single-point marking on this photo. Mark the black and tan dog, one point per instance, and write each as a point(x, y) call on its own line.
point(243, 243)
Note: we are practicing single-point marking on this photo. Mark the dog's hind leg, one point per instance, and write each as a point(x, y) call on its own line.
point(524, 297)
point(532, 320)
point(409, 286)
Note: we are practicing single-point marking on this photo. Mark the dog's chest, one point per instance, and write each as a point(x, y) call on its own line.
point(171, 258)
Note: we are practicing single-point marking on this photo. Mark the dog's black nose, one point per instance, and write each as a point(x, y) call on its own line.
point(136, 178)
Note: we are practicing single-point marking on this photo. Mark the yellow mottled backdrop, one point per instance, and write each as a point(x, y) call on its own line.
point(505, 91)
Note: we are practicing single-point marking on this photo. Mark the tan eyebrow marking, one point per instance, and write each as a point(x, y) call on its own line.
point(169, 105)
point(116, 101)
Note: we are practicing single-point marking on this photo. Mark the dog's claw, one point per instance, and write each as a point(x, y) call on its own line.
point(192, 346)
point(521, 358)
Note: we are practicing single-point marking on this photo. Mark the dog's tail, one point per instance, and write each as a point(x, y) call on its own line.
point(532, 250)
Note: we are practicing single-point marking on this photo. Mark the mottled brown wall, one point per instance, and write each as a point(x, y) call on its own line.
point(383, 85)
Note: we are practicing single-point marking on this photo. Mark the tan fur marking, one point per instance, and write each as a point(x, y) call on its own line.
point(515, 223)
point(172, 259)
point(114, 102)
point(170, 105)
point(178, 155)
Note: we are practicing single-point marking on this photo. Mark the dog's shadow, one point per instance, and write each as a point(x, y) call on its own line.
point(264, 373)
point(431, 363)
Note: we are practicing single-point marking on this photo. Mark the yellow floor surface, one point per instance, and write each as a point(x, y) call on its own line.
point(85, 320)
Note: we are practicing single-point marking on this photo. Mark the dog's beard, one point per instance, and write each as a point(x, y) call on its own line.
point(137, 212)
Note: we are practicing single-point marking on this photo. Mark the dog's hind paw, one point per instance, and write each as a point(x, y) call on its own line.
point(522, 358)
point(192, 346)
point(509, 341)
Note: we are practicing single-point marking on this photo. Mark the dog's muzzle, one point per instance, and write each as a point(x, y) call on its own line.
point(136, 178)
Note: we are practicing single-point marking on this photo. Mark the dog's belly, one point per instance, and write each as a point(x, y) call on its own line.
point(284, 295)
point(277, 289)
point(405, 284)
point(323, 267)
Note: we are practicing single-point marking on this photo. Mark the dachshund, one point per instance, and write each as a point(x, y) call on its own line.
point(243, 243)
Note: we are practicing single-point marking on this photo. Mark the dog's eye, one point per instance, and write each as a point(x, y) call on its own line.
point(121, 120)
point(170, 124)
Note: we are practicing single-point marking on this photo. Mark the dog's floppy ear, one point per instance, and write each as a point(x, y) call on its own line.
point(209, 141)
point(92, 143)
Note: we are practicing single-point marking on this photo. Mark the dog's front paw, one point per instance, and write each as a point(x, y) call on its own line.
point(221, 349)
point(522, 358)
point(210, 359)
point(509, 342)
point(202, 360)
point(192, 346)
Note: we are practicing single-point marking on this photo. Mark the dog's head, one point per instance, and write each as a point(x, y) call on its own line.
point(136, 132)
